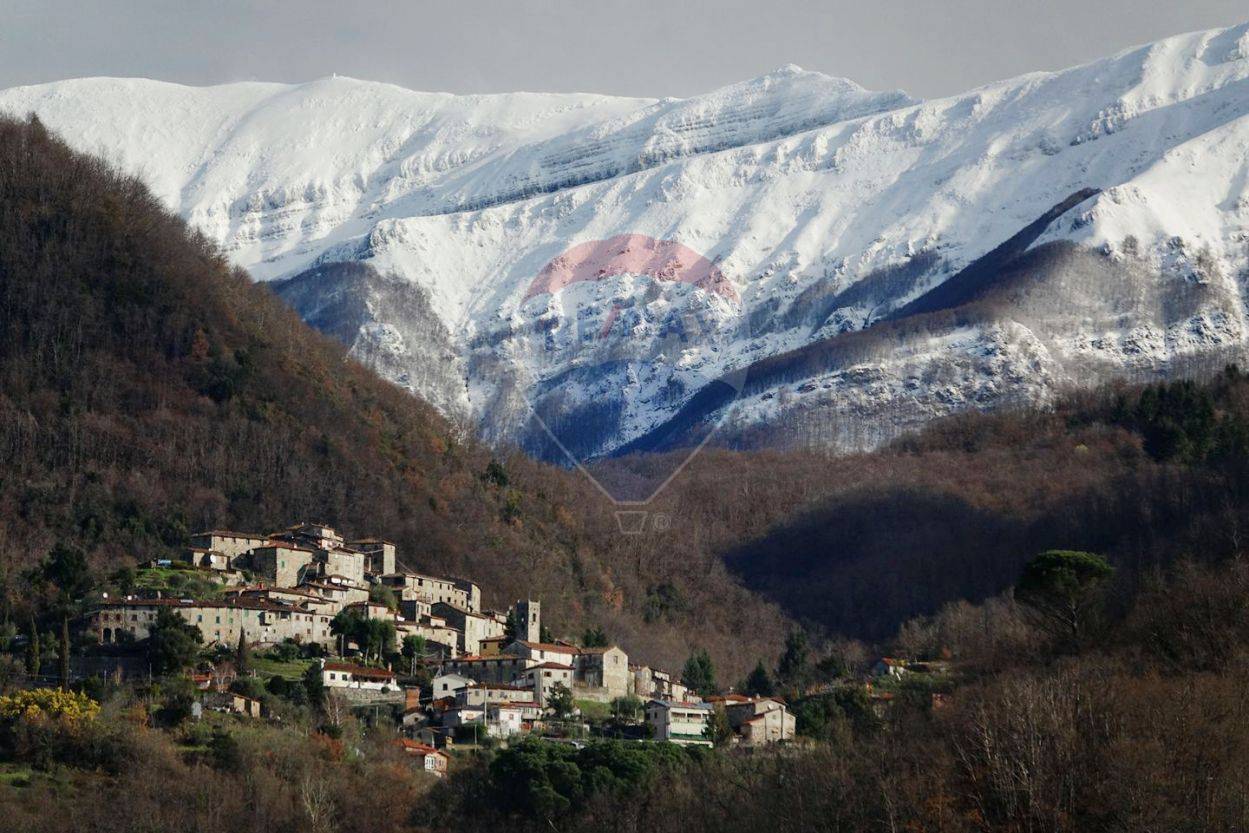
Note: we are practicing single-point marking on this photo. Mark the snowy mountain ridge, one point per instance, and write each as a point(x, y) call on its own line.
point(827, 209)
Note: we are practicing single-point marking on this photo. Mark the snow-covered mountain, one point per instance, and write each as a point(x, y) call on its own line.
point(810, 260)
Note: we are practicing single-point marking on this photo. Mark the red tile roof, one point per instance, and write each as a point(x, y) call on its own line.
point(417, 748)
point(549, 646)
point(359, 670)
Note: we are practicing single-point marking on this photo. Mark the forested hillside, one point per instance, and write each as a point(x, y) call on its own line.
point(860, 543)
point(148, 391)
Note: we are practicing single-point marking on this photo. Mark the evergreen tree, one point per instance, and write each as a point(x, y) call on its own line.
point(243, 655)
point(719, 731)
point(173, 643)
point(792, 670)
point(560, 701)
point(1063, 589)
point(66, 570)
point(63, 653)
point(699, 673)
point(33, 660)
point(413, 649)
point(594, 637)
point(759, 682)
point(513, 628)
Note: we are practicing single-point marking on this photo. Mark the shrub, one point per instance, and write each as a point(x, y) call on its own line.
point(47, 704)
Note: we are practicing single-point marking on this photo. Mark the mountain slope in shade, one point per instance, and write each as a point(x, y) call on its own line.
point(829, 209)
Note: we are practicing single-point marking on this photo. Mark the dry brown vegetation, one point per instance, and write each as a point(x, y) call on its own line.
point(147, 391)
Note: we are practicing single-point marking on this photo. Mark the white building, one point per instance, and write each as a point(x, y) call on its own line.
point(449, 685)
point(511, 718)
point(348, 675)
point(678, 722)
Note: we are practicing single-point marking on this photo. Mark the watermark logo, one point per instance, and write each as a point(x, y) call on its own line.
point(633, 329)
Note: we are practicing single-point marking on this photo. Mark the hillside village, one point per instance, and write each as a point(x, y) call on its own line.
point(472, 673)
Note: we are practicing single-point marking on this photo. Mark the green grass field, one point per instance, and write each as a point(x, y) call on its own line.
point(176, 581)
point(593, 710)
point(289, 669)
point(15, 775)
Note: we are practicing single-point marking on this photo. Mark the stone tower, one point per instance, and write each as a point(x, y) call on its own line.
point(529, 615)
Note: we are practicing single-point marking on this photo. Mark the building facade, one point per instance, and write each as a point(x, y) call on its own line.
point(678, 722)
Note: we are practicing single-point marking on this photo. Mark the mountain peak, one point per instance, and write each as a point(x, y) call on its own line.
point(825, 206)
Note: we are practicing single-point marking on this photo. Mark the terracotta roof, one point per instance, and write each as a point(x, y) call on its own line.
point(549, 646)
point(324, 586)
point(353, 583)
point(227, 533)
point(729, 698)
point(423, 576)
point(285, 545)
point(418, 748)
point(235, 604)
point(359, 670)
point(674, 704)
point(290, 591)
point(529, 704)
point(551, 665)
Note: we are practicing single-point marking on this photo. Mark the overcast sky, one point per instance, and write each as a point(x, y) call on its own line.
point(644, 47)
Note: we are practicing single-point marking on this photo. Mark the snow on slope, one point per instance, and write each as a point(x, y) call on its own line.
point(803, 190)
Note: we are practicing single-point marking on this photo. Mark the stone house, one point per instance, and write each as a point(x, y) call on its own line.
point(435, 633)
point(501, 669)
point(281, 563)
point(429, 589)
point(473, 627)
point(484, 694)
point(543, 651)
point(433, 761)
point(369, 610)
point(233, 545)
point(541, 679)
point(602, 673)
point(416, 610)
point(492, 646)
point(760, 720)
point(260, 621)
point(379, 555)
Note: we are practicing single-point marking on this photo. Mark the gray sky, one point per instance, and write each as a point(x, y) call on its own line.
point(643, 47)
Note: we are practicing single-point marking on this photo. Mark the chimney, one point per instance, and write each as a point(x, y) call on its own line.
point(412, 698)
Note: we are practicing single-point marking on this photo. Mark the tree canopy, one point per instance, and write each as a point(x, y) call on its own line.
point(1063, 588)
point(173, 643)
point(700, 673)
